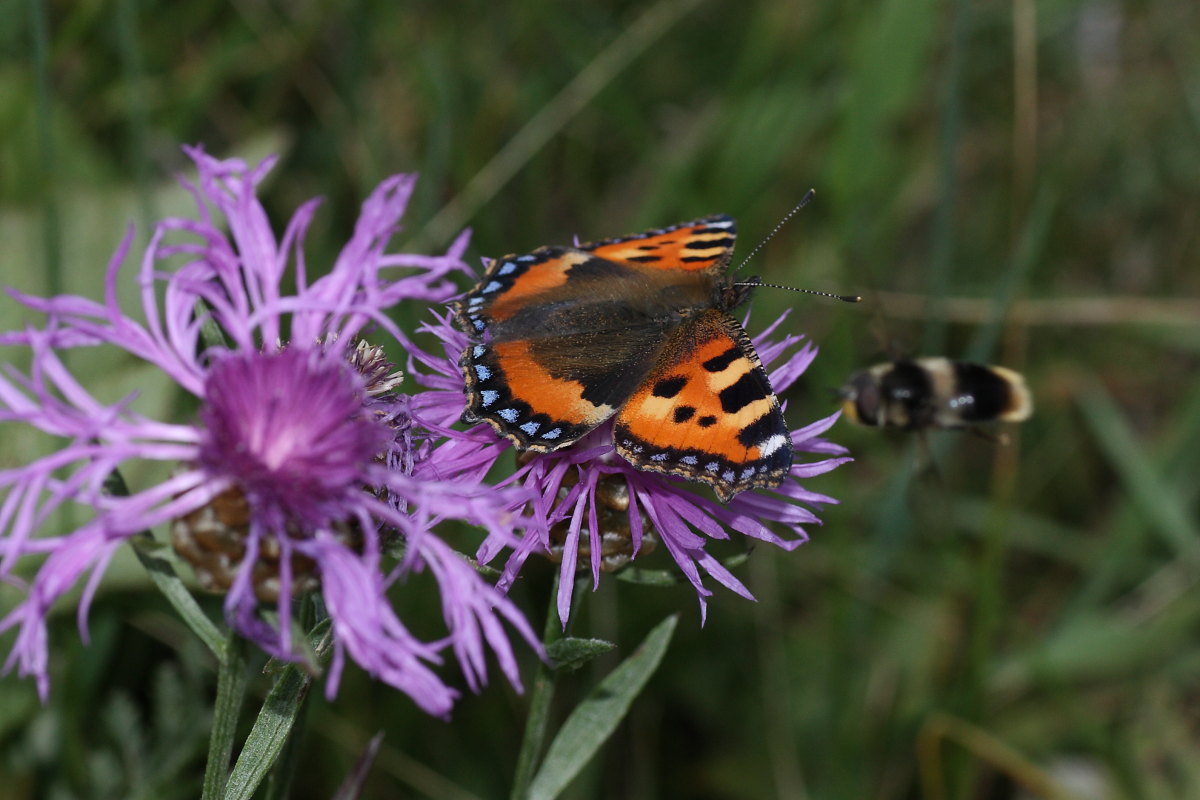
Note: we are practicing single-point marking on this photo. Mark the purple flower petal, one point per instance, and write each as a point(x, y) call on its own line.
point(683, 521)
point(298, 450)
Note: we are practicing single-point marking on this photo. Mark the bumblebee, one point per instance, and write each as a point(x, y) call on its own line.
point(934, 393)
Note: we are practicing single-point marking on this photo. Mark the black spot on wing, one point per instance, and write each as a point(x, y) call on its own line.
point(744, 391)
point(669, 387)
point(762, 429)
point(709, 244)
point(719, 363)
point(684, 413)
point(707, 421)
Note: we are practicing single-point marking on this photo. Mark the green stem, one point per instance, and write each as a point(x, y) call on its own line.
point(539, 704)
point(231, 689)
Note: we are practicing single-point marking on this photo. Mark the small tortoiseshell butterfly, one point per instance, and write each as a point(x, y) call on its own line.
point(638, 327)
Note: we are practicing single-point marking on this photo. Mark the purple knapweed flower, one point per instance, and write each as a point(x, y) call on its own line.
point(596, 495)
point(300, 469)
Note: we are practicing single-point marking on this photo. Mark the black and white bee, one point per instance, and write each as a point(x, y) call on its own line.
point(933, 394)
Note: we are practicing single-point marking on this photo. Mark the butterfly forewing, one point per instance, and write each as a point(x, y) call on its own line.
point(701, 244)
point(564, 337)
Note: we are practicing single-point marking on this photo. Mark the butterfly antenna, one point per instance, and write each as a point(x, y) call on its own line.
point(803, 202)
point(845, 298)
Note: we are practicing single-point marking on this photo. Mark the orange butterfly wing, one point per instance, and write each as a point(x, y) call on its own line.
point(707, 412)
point(564, 337)
point(561, 339)
point(705, 243)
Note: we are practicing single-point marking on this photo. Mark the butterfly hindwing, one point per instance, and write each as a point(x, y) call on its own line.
point(705, 243)
point(706, 412)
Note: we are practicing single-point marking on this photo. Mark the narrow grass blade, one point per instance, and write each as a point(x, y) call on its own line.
point(590, 725)
point(1150, 491)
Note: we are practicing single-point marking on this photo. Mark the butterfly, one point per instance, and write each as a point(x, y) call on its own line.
point(637, 328)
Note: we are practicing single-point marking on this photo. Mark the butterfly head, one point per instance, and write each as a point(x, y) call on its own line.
point(730, 293)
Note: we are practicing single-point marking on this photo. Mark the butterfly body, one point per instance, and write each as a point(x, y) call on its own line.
point(638, 327)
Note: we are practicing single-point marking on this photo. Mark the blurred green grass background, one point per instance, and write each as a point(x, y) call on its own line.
point(1011, 181)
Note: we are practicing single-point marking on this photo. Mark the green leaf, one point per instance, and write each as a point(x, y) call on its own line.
point(167, 580)
point(231, 689)
point(594, 720)
point(177, 594)
point(269, 734)
point(570, 654)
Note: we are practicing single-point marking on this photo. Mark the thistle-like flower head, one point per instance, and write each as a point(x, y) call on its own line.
point(300, 470)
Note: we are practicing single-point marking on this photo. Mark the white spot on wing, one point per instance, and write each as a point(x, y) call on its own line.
point(493, 286)
point(483, 372)
point(489, 396)
point(772, 444)
point(507, 268)
point(508, 414)
point(553, 433)
point(531, 427)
